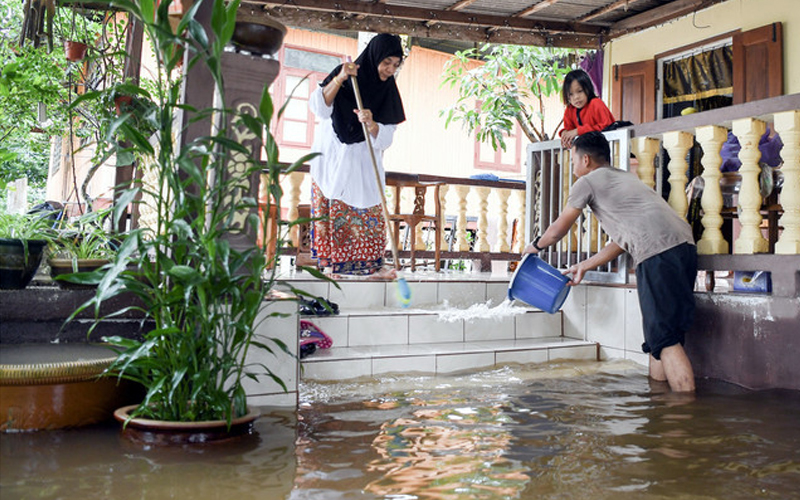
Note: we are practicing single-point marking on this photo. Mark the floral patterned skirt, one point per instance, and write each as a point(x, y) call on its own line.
point(349, 240)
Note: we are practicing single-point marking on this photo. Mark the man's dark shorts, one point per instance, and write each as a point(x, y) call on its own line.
point(665, 283)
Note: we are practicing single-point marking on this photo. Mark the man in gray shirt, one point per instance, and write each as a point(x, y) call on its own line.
point(640, 222)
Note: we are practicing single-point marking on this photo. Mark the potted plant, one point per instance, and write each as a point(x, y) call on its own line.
point(80, 250)
point(23, 238)
point(203, 296)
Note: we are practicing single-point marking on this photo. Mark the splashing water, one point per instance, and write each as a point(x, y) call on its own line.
point(480, 311)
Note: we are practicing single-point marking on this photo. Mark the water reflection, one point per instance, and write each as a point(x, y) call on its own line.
point(565, 431)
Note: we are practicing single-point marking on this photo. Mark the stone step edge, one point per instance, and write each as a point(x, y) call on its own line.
point(442, 348)
point(390, 311)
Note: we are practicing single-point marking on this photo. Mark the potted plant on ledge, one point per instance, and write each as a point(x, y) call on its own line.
point(23, 238)
point(80, 251)
point(204, 297)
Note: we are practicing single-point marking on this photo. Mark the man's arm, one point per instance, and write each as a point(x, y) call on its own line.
point(609, 252)
point(557, 229)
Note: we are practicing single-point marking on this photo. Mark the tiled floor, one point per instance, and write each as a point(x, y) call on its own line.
point(456, 322)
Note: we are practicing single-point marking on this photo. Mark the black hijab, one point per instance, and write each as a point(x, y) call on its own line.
point(382, 98)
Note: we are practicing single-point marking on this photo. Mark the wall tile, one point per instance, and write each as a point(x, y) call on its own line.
point(461, 294)
point(460, 362)
point(337, 370)
point(405, 364)
point(427, 328)
point(534, 325)
point(489, 329)
point(522, 357)
point(378, 330)
point(606, 316)
point(574, 310)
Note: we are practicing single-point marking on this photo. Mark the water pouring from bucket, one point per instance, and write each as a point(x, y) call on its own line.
point(538, 284)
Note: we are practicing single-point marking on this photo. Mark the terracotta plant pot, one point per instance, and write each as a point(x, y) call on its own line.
point(158, 432)
point(122, 101)
point(75, 51)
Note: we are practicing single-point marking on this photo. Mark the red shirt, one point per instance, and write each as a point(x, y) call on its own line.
point(594, 116)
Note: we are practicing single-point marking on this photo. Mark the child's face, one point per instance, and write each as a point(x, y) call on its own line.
point(577, 97)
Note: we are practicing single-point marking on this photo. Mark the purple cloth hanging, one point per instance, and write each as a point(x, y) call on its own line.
point(592, 64)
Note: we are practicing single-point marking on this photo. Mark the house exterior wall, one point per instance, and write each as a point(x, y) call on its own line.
point(422, 144)
point(716, 20)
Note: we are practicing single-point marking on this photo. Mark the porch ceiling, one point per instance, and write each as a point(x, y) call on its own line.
point(558, 23)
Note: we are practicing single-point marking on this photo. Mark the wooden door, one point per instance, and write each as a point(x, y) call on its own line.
point(758, 64)
point(634, 98)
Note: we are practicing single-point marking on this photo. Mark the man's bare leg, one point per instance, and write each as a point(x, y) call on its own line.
point(657, 370)
point(677, 368)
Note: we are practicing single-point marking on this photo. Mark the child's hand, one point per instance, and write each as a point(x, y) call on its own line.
point(567, 137)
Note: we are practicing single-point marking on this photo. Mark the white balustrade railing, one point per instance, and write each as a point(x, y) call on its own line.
point(485, 210)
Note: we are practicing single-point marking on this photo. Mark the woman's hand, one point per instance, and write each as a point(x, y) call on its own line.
point(567, 137)
point(365, 117)
point(348, 69)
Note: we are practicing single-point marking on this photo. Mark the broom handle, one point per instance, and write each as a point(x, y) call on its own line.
point(377, 175)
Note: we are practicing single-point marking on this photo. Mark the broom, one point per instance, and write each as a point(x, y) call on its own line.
point(403, 290)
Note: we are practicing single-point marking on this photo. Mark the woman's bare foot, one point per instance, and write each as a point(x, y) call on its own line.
point(385, 273)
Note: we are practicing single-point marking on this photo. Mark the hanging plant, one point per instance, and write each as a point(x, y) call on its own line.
point(75, 51)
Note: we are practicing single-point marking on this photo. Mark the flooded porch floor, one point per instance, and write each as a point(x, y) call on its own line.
point(576, 430)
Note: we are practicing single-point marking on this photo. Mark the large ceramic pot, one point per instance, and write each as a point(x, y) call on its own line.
point(19, 261)
point(60, 267)
point(258, 35)
point(158, 432)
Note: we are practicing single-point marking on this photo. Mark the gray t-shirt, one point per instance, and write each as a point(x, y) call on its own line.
point(634, 215)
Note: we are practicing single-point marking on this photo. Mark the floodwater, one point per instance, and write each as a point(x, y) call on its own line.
point(554, 431)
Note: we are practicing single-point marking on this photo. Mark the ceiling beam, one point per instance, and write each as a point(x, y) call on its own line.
point(414, 14)
point(659, 15)
point(460, 4)
point(533, 9)
point(340, 21)
point(605, 10)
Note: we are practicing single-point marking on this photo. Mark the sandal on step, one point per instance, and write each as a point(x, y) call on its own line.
point(310, 333)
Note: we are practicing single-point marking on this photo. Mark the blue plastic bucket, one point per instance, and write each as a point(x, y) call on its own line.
point(538, 284)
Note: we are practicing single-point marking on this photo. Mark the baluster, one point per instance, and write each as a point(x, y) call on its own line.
point(521, 236)
point(461, 233)
point(295, 182)
point(566, 177)
point(443, 220)
point(678, 145)
point(787, 124)
point(502, 227)
point(419, 195)
point(711, 138)
point(645, 150)
point(750, 240)
point(483, 223)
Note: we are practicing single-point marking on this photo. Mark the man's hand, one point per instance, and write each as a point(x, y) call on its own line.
point(577, 271)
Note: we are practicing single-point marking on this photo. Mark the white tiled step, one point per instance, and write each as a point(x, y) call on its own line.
point(341, 363)
point(381, 327)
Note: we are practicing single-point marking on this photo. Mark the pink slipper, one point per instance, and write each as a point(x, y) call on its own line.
point(309, 332)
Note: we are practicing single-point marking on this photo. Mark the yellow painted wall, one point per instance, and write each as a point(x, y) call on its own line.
point(713, 21)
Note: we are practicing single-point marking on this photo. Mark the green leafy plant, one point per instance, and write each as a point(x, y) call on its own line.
point(84, 238)
point(25, 226)
point(508, 83)
point(204, 296)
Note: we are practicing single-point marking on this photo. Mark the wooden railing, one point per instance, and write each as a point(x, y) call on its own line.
point(483, 220)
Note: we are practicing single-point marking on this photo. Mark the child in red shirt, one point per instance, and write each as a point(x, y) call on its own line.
point(585, 111)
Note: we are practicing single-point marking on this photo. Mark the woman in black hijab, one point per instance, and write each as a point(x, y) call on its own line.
point(351, 238)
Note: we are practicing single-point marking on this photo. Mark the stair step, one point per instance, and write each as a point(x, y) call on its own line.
point(340, 363)
point(383, 327)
